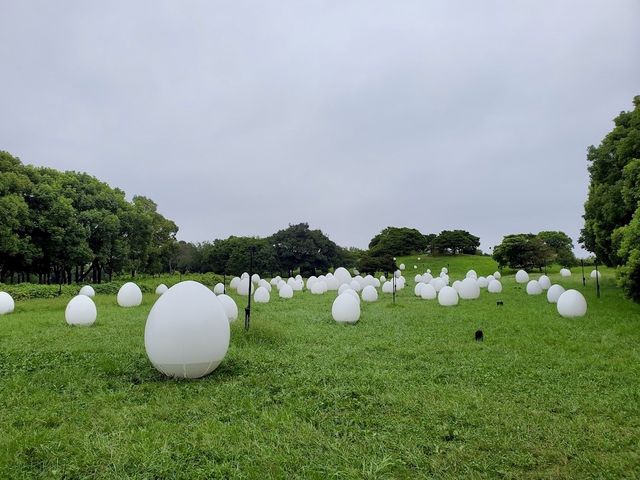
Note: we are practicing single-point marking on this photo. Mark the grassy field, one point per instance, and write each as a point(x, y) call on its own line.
point(405, 393)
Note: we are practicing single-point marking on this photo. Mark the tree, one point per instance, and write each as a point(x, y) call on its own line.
point(561, 245)
point(456, 241)
point(523, 250)
point(370, 264)
point(397, 241)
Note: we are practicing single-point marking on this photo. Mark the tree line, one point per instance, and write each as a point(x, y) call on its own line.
point(529, 251)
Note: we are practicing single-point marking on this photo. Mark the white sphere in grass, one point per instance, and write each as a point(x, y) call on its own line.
point(418, 288)
point(345, 309)
point(387, 287)
point(230, 307)
point(160, 289)
point(376, 283)
point(544, 282)
point(274, 281)
point(298, 277)
point(534, 288)
point(298, 285)
point(342, 275)
point(447, 297)
point(87, 291)
point(595, 273)
point(497, 275)
point(344, 287)
point(565, 272)
point(244, 275)
point(355, 285)
point(554, 292)
point(428, 292)
point(265, 284)
point(429, 271)
point(218, 288)
point(483, 282)
point(456, 286)
point(81, 311)
point(572, 304)
point(469, 289)
point(397, 273)
point(319, 287)
point(382, 279)
point(262, 295)
point(489, 279)
point(353, 293)
point(522, 276)
point(286, 291)
point(442, 270)
point(415, 267)
point(472, 274)
point(129, 295)
point(427, 277)
point(243, 286)
point(438, 283)
point(7, 305)
point(332, 283)
point(235, 281)
point(310, 281)
point(187, 331)
point(255, 278)
point(401, 267)
point(417, 278)
point(369, 294)
point(494, 286)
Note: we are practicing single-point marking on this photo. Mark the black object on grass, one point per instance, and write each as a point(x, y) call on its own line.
point(500, 303)
point(479, 336)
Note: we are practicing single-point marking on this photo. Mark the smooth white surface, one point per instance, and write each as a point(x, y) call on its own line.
point(401, 267)
point(387, 287)
point(554, 292)
point(230, 307)
point(572, 304)
point(472, 274)
point(565, 272)
point(497, 275)
point(494, 286)
point(88, 291)
point(544, 282)
point(342, 275)
point(234, 283)
point(160, 289)
point(483, 282)
point(596, 273)
point(418, 288)
point(218, 288)
point(534, 288)
point(428, 292)
point(521, 276)
point(345, 309)
point(7, 305)
point(286, 291)
point(244, 285)
point(81, 311)
point(129, 295)
point(469, 289)
point(448, 297)
point(369, 294)
point(261, 295)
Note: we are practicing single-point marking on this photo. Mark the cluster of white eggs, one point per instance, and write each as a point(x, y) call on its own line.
point(569, 303)
point(429, 287)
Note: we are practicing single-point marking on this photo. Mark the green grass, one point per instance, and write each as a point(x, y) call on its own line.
point(405, 393)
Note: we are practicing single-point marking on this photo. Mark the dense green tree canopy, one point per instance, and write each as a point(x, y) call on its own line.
point(397, 241)
point(456, 241)
point(523, 250)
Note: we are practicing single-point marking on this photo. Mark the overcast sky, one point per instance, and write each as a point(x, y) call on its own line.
point(240, 117)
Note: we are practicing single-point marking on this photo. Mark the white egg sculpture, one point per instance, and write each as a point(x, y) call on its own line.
point(565, 272)
point(494, 286)
point(594, 274)
point(218, 288)
point(81, 311)
point(472, 274)
point(332, 283)
point(261, 295)
point(160, 289)
point(319, 287)
point(286, 291)
point(387, 287)
point(426, 278)
point(415, 267)
point(469, 289)
point(521, 276)
point(376, 283)
point(7, 305)
point(344, 287)
point(342, 275)
point(429, 271)
point(354, 294)
point(310, 281)
point(428, 292)
point(544, 282)
point(129, 295)
point(438, 283)
point(265, 284)
point(383, 279)
point(244, 285)
point(230, 307)
point(235, 281)
point(355, 285)
point(418, 289)
point(345, 309)
point(187, 331)
point(255, 278)
point(572, 304)
point(483, 282)
point(447, 297)
point(369, 294)
point(401, 267)
point(298, 285)
point(497, 275)
point(443, 270)
point(456, 286)
point(534, 288)
point(554, 292)
point(417, 278)
point(87, 291)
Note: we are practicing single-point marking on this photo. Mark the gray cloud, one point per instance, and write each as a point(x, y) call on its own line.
point(241, 117)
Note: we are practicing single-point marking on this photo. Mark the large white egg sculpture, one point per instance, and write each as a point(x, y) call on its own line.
point(261, 295)
point(265, 284)
point(286, 291)
point(565, 272)
point(343, 275)
point(387, 287)
point(81, 311)
point(497, 275)
point(469, 289)
point(244, 275)
point(234, 283)
point(521, 276)
point(472, 274)
point(7, 305)
point(544, 282)
point(428, 292)
point(572, 304)
point(554, 292)
point(369, 294)
point(427, 277)
point(595, 273)
point(230, 307)
point(355, 285)
point(345, 309)
point(354, 294)
point(319, 287)
point(87, 291)
point(447, 297)
point(344, 287)
point(130, 295)
point(310, 281)
point(244, 285)
point(418, 289)
point(160, 289)
point(332, 282)
point(494, 286)
point(298, 285)
point(187, 331)
point(534, 288)
point(255, 278)
point(218, 288)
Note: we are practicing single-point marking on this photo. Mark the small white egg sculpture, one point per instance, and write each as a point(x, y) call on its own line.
point(244, 285)
point(310, 281)
point(261, 295)
point(443, 270)
point(415, 267)
point(160, 289)
point(382, 279)
point(438, 283)
point(286, 291)
point(572, 304)
point(244, 275)
point(369, 294)
point(417, 278)
point(129, 295)
point(595, 273)
point(565, 272)
point(298, 285)
point(544, 282)
point(554, 292)
point(81, 311)
point(387, 287)
point(230, 307)
point(401, 267)
point(469, 289)
point(483, 282)
point(187, 331)
point(345, 309)
point(7, 305)
point(354, 294)
point(521, 276)
point(265, 284)
point(218, 288)
point(428, 292)
point(494, 286)
point(87, 291)
point(344, 287)
point(497, 275)
point(255, 278)
point(534, 288)
point(472, 274)
point(427, 277)
point(447, 297)
point(355, 285)
point(456, 286)
point(418, 289)
point(319, 287)
point(235, 281)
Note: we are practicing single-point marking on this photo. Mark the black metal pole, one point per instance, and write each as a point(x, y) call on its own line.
point(393, 283)
point(224, 282)
point(597, 280)
point(247, 311)
point(584, 280)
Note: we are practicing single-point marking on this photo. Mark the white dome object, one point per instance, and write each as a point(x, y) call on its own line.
point(489, 278)
point(442, 270)
point(244, 275)
point(344, 287)
point(417, 278)
point(401, 267)
point(383, 279)
point(369, 280)
point(369, 294)
point(298, 277)
point(187, 331)
point(544, 282)
point(310, 281)
point(483, 282)
point(286, 291)
point(497, 275)
point(472, 274)
point(400, 282)
point(261, 295)
point(7, 305)
point(572, 304)
point(428, 292)
point(594, 274)
point(274, 281)
point(360, 280)
point(342, 275)
point(387, 287)
point(522, 276)
point(230, 307)
point(291, 281)
point(160, 289)
point(332, 283)
point(255, 278)
point(415, 267)
point(397, 273)
point(129, 295)
point(355, 285)
point(447, 297)
point(438, 283)
point(534, 288)
point(218, 288)
point(469, 289)
point(565, 272)
point(376, 283)
point(418, 258)
point(244, 285)
point(426, 278)
point(418, 289)
point(354, 294)
point(265, 284)
point(87, 291)
point(494, 286)
point(456, 286)
point(81, 311)
point(319, 287)
point(235, 281)
point(298, 285)
point(345, 309)
point(429, 271)
point(281, 284)
point(554, 292)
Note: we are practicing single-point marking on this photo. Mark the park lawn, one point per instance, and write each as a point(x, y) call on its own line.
point(405, 393)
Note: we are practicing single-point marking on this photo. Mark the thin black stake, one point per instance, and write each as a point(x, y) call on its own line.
point(394, 288)
point(224, 282)
point(597, 280)
point(584, 280)
point(247, 311)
